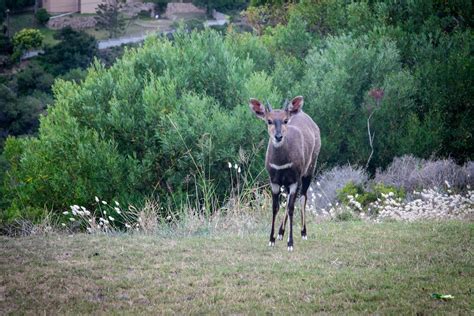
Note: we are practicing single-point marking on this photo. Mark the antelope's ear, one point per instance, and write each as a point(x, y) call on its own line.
point(257, 108)
point(295, 105)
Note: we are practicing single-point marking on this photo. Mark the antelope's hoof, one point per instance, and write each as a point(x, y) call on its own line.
point(271, 244)
point(280, 237)
point(304, 237)
point(290, 248)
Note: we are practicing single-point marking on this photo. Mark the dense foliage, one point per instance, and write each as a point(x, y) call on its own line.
point(165, 119)
point(75, 49)
point(109, 18)
point(26, 39)
point(27, 91)
point(42, 16)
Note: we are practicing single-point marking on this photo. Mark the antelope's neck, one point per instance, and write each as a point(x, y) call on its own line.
point(278, 155)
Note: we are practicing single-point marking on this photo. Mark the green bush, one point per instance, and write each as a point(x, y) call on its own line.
point(118, 134)
point(365, 197)
point(42, 16)
point(167, 117)
point(336, 83)
point(76, 49)
point(33, 78)
point(25, 40)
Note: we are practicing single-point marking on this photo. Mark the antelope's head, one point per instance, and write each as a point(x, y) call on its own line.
point(277, 120)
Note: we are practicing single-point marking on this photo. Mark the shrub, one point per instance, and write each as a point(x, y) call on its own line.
point(330, 182)
point(412, 173)
point(468, 170)
point(26, 39)
point(440, 173)
point(247, 46)
point(344, 215)
point(152, 124)
point(76, 49)
point(33, 77)
point(42, 16)
point(336, 83)
point(360, 198)
point(399, 172)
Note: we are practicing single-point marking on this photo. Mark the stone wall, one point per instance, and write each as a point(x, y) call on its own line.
point(174, 9)
point(76, 22)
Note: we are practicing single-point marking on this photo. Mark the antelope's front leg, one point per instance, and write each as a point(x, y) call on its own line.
point(275, 208)
point(291, 209)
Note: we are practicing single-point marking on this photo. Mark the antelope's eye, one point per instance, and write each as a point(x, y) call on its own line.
point(270, 122)
point(285, 122)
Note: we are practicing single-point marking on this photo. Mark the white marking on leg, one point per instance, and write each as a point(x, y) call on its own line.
point(290, 248)
point(280, 237)
point(305, 237)
point(275, 188)
point(281, 167)
point(271, 244)
point(293, 188)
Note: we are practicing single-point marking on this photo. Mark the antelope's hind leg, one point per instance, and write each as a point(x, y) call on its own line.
point(305, 182)
point(281, 231)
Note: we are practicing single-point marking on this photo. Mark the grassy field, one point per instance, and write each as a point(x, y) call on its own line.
point(346, 267)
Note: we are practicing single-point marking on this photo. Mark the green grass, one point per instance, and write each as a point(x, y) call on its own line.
point(347, 267)
point(27, 20)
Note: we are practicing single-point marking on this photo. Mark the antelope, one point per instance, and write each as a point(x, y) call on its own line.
point(292, 151)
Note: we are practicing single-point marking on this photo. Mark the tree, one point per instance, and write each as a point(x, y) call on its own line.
point(76, 49)
point(25, 40)
point(42, 16)
point(109, 17)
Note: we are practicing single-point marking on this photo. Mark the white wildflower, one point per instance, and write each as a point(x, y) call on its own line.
point(318, 184)
point(168, 217)
point(127, 225)
point(111, 218)
point(63, 225)
point(238, 170)
point(104, 202)
point(96, 199)
point(117, 203)
point(235, 166)
point(229, 165)
point(72, 219)
point(65, 212)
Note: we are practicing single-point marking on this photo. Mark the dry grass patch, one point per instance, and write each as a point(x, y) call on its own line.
point(344, 267)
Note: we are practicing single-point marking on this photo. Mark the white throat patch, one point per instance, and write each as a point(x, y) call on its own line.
point(281, 167)
point(277, 144)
